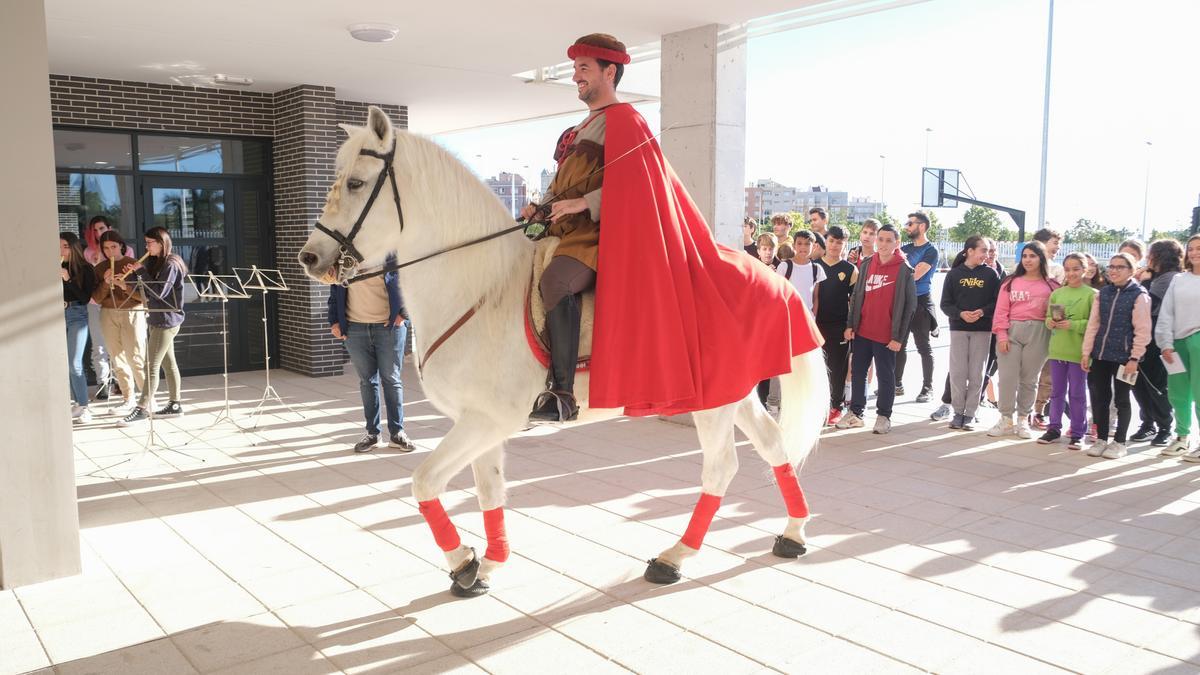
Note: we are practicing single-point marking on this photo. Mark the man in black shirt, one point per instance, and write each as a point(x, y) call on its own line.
point(833, 308)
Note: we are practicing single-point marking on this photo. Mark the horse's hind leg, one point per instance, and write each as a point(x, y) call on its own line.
point(767, 437)
point(715, 428)
point(470, 437)
point(489, 487)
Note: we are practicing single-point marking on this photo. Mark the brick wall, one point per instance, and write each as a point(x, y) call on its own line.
point(119, 104)
point(302, 123)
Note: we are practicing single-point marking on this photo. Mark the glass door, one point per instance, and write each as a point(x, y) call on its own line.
point(201, 214)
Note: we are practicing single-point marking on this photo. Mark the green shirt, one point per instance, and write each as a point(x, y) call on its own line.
point(1066, 344)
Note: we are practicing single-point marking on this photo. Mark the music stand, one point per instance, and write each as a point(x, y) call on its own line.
point(267, 281)
point(222, 287)
point(154, 443)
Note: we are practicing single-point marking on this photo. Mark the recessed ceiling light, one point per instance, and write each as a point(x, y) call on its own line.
point(100, 162)
point(373, 32)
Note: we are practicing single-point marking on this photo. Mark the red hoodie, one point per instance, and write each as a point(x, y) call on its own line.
point(878, 294)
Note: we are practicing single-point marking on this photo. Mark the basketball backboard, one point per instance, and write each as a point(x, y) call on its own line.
point(939, 187)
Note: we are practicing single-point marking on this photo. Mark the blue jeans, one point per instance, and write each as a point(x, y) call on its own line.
point(864, 352)
point(77, 335)
point(377, 352)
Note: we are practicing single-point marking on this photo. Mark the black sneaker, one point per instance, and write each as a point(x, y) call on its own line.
point(400, 441)
point(1162, 439)
point(173, 409)
point(139, 414)
point(1142, 434)
point(1051, 436)
point(102, 392)
point(923, 396)
point(969, 423)
point(366, 443)
point(957, 422)
point(899, 390)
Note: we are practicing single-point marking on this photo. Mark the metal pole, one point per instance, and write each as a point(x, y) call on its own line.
point(1146, 193)
point(882, 176)
point(1041, 221)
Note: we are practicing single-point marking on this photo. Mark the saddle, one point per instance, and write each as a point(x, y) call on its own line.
point(535, 311)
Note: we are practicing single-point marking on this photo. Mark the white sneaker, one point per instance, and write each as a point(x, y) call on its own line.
point(1003, 428)
point(124, 409)
point(77, 410)
point(1193, 456)
point(849, 421)
point(1114, 450)
point(1023, 429)
point(1097, 449)
point(1179, 446)
point(882, 425)
point(84, 417)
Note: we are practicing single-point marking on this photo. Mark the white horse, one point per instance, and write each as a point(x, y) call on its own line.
point(483, 375)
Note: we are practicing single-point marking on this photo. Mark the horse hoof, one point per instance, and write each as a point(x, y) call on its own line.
point(661, 573)
point(466, 575)
point(473, 591)
point(786, 548)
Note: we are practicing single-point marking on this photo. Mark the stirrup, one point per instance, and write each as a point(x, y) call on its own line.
point(553, 407)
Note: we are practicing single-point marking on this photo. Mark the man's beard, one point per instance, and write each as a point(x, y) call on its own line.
point(913, 234)
point(587, 95)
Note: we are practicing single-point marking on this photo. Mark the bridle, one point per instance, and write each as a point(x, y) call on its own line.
point(349, 257)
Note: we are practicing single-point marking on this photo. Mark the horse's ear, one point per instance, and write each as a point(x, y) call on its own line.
point(348, 128)
point(378, 123)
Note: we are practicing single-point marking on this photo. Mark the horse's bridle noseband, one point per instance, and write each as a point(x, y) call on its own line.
point(349, 257)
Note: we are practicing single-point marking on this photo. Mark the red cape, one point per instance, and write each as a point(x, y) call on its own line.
point(682, 322)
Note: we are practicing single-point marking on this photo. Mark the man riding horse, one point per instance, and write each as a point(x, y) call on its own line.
point(693, 330)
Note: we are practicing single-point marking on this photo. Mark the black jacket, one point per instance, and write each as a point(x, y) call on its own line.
point(966, 290)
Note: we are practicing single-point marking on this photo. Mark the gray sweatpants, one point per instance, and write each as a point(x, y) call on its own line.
point(1028, 343)
point(968, 354)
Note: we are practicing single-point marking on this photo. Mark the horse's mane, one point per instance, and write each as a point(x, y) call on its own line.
point(448, 205)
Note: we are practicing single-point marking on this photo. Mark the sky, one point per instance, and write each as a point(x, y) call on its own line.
point(824, 102)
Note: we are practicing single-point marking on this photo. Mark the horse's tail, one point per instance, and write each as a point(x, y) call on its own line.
point(804, 403)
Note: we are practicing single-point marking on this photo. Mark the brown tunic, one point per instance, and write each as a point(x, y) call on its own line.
point(580, 232)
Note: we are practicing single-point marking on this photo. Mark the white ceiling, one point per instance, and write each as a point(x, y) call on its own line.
point(452, 63)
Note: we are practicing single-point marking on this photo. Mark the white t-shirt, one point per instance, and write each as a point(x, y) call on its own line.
point(803, 276)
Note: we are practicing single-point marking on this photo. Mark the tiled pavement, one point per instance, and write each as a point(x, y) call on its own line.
point(931, 550)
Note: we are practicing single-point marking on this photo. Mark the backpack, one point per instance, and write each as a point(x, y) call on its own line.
point(792, 265)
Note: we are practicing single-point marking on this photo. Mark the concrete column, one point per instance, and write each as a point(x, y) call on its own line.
point(39, 520)
point(704, 98)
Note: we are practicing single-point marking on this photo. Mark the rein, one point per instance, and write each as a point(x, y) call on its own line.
point(350, 258)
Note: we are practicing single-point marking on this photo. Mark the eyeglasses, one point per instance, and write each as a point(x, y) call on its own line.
point(1118, 267)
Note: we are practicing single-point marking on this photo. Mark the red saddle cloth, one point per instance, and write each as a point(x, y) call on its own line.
point(682, 323)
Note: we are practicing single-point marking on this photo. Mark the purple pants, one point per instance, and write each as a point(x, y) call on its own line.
point(1068, 379)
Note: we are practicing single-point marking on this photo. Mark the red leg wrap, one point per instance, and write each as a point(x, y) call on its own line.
point(702, 517)
point(443, 530)
point(493, 524)
point(789, 486)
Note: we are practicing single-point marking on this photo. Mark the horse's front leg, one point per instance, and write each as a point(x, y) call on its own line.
point(468, 439)
point(489, 488)
point(715, 428)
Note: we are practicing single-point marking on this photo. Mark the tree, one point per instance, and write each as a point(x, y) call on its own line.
point(1087, 231)
point(936, 231)
point(982, 221)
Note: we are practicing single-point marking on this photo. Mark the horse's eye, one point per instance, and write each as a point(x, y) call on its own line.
point(354, 183)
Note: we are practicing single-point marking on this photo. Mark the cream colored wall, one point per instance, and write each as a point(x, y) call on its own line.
point(39, 520)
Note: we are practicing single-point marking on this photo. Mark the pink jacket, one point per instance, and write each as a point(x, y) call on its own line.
point(1022, 300)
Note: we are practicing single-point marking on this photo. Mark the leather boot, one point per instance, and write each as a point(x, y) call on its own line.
point(557, 403)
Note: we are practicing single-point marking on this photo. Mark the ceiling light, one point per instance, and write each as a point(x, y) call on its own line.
point(373, 32)
point(222, 78)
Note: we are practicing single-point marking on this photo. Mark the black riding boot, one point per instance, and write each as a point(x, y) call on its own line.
point(557, 403)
